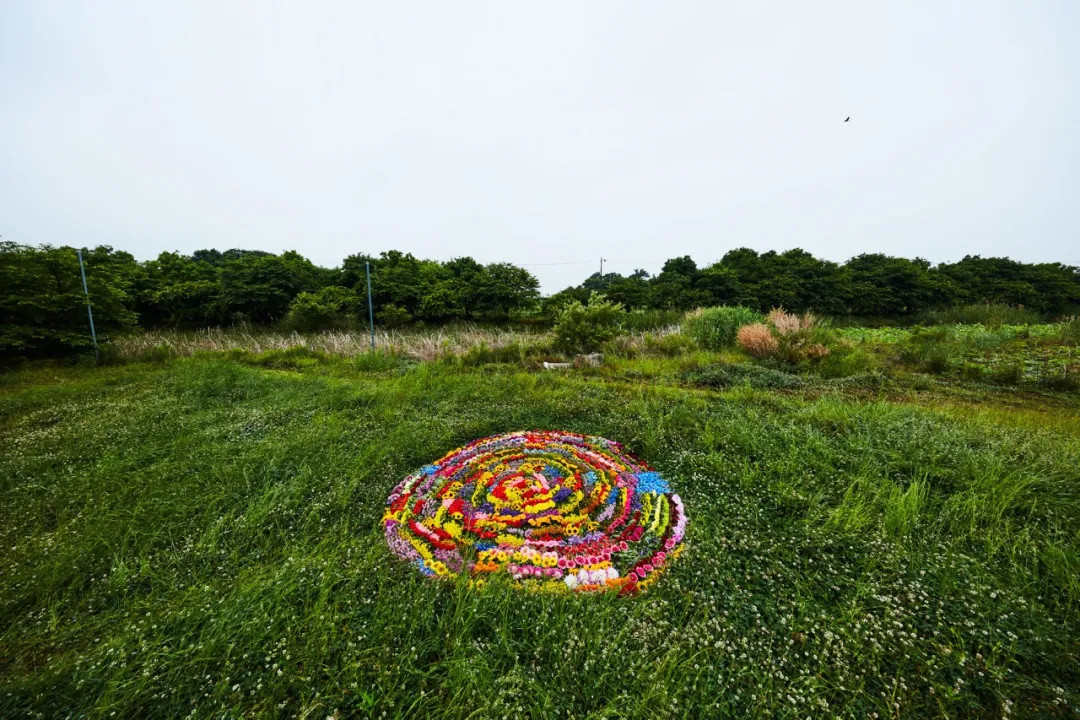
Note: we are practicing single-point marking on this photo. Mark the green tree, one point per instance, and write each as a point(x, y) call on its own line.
point(328, 308)
point(890, 286)
point(720, 283)
point(676, 287)
point(505, 288)
point(179, 291)
point(552, 305)
point(42, 303)
point(440, 294)
point(260, 288)
point(398, 281)
point(466, 276)
point(631, 292)
point(1045, 287)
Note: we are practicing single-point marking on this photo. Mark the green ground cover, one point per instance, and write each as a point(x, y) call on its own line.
point(200, 537)
point(1046, 354)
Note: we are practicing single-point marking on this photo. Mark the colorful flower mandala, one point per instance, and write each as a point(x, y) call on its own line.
point(554, 510)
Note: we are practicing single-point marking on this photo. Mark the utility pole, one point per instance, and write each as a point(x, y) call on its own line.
point(370, 309)
point(89, 312)
point(602, 258)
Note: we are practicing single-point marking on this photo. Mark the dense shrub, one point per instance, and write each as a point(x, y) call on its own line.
point(331, 308)
point(392, 316)
point(723, 375)
point(992, 315)
point(715, 328)
point(583, 328)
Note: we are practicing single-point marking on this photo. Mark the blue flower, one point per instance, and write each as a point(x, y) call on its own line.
point(652, 482)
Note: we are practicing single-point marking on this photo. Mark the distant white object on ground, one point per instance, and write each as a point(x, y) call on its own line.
point(592, 359)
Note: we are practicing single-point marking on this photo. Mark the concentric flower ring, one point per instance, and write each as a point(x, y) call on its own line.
point(554, 510)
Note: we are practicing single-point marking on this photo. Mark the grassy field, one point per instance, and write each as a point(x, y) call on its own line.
point(199, 536)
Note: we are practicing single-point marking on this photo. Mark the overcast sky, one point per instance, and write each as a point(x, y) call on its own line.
point(544, 132)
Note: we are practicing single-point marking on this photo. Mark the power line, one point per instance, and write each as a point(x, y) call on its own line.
point(571, 262)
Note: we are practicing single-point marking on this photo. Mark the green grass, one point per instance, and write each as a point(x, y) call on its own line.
point(201, 537)
point(1005, 355)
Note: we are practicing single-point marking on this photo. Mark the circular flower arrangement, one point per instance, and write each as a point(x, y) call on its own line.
point(554, 510)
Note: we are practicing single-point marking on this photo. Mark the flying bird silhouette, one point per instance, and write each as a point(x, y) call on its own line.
point(847, 118)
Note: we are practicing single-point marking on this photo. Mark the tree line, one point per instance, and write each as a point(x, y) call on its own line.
point(867, 285)
point(42, 305)
point(44, 308)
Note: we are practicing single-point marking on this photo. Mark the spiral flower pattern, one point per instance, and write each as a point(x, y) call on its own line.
point(554, 510)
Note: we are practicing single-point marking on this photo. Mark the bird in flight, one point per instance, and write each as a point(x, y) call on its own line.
point(847, 118)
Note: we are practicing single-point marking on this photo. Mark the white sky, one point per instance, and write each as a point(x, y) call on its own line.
point(544, 132)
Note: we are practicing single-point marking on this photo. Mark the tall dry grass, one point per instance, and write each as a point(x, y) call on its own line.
point(787, 323)
point(423, 345)
point(418, 344)
point(783, 334)
point(757, 340)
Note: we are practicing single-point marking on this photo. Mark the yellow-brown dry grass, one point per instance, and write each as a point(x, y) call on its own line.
point(757, 340)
